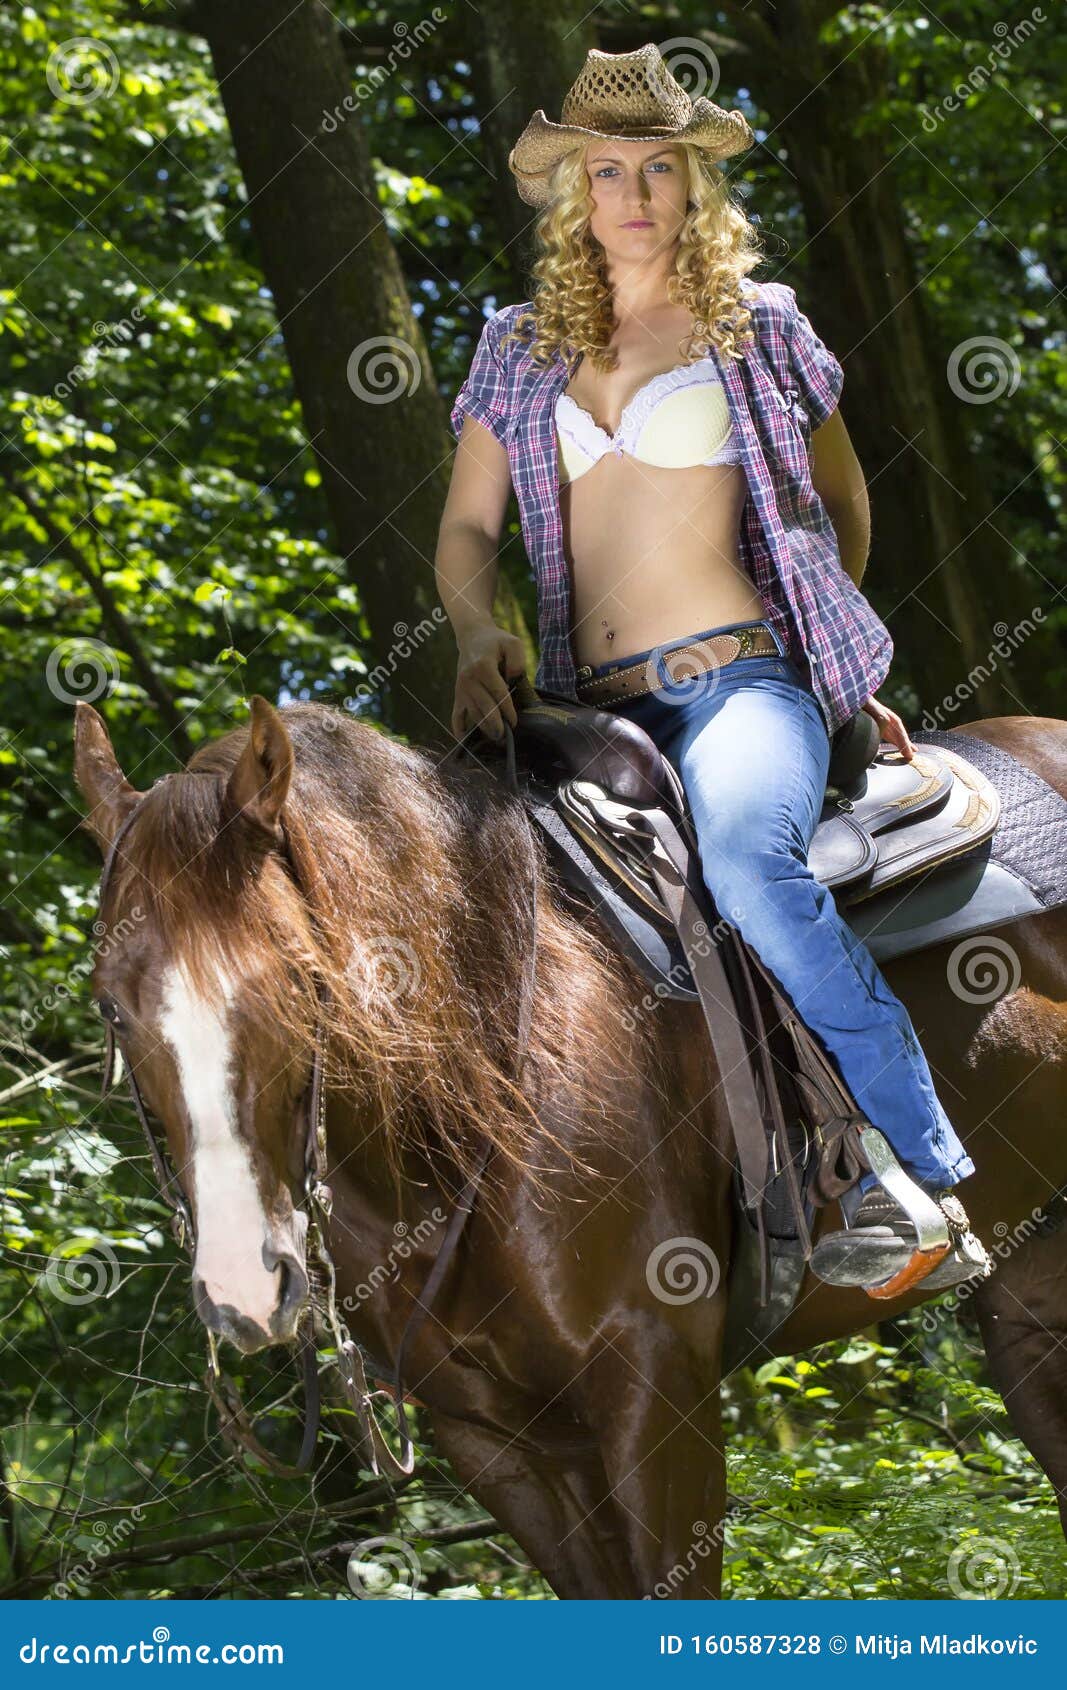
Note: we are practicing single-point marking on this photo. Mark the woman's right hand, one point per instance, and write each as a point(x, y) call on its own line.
point(489, 658)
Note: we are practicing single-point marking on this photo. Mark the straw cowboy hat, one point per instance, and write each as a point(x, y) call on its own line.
point(622, 96)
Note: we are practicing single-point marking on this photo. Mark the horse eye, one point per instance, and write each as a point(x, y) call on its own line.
point(110, 1011)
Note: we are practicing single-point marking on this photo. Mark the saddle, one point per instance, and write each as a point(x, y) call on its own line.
point(613, 812)
point(882, 820)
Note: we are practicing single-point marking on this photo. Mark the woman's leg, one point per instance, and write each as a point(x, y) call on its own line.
point(751, 747)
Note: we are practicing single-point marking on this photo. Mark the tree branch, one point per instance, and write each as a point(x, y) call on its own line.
point(116, 623)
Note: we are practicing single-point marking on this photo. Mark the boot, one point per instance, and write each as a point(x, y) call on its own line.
point(881, 1249)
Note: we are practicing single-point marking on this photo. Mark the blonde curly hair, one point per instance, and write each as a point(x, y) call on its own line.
point(572, 310)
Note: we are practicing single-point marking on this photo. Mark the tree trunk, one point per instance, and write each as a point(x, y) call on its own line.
point(523, 57)
point(360, 367)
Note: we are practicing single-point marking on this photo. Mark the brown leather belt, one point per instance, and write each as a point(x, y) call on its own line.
point(706, 655)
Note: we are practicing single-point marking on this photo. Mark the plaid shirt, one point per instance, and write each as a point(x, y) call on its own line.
point(778, 393)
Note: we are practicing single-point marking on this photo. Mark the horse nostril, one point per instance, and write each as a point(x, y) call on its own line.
point(204, 1306)
point(293, 1288)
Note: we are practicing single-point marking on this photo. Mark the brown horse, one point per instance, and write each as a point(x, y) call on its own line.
point(570, 1377)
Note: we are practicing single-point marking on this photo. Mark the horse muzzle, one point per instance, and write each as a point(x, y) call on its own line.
point(248, 1331)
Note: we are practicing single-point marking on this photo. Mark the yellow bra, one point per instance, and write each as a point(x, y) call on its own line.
point(679, 419)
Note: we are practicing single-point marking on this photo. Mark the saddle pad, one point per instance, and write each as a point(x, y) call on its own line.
point(1021, 870)
point(1031, 839)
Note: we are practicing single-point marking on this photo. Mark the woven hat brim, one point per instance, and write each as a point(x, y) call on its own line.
point(543, 143)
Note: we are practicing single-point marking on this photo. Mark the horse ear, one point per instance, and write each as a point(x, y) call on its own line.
point(96, 770)
point(259, 784)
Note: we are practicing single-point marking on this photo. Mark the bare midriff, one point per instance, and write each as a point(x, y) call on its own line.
point(653, 554)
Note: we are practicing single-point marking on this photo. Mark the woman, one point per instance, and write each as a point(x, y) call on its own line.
point(698, 525)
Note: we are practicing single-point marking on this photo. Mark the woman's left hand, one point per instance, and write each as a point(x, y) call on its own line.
point(891, 727)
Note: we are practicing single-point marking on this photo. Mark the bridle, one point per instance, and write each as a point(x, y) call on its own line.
point(351, 1360)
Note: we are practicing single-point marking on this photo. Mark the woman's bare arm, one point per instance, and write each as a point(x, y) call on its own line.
point(465, 566)
point(837, 477)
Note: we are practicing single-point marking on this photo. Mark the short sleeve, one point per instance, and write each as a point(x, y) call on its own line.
point(484, 393)
point(818, 374)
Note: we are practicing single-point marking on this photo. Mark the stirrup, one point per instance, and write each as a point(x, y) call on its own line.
point(945, 1251)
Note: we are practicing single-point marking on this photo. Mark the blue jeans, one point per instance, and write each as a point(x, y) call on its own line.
point(750, 744)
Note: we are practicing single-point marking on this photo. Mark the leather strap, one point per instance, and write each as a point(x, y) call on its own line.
point(639, 678)
point(675, 878)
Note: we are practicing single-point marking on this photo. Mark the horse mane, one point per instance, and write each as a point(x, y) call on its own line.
point(410, 901)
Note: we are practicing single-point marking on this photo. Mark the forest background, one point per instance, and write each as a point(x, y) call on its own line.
point(247, 250)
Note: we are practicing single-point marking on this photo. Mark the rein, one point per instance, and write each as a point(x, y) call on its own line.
point(351, 1361)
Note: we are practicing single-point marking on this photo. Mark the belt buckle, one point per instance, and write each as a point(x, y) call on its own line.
point(746, 639)
point(585, 673)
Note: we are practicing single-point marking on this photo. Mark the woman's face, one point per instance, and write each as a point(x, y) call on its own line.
point(639, 191)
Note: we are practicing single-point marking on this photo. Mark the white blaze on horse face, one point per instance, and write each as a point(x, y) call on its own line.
point(231, 1222)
